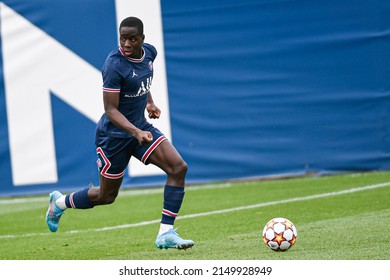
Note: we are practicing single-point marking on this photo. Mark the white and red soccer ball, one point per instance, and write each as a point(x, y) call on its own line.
point(279, 234)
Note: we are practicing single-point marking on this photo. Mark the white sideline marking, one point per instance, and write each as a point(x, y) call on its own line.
point(259, 205)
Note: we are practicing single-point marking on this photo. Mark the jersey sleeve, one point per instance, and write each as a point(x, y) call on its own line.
point(111, 76)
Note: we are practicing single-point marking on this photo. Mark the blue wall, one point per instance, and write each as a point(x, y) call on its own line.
point(256, 88)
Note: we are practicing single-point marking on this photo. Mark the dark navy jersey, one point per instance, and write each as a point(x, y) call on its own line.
point(131, 79)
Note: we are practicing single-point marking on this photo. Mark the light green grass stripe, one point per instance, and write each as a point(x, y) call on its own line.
point(259, 205)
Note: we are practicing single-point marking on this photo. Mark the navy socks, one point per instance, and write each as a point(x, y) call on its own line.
point(79, 200)
point(173, 198)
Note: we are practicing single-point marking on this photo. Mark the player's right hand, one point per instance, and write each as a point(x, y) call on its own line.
point(144, 137)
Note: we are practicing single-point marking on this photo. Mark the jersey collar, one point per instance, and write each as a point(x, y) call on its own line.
point(137, 60)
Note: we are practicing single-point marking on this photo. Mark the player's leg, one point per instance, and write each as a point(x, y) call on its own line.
point(169, 160)
point(84, 199)
point(106, 193)
point(111, 169)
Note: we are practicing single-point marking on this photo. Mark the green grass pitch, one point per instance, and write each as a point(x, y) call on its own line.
point(339, 217)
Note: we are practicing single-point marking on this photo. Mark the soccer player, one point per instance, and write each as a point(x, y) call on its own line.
point(123, 131)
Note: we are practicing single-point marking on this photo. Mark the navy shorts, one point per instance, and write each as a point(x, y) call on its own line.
point(113, 154)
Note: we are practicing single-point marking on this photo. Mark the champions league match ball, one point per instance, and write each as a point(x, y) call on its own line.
point(279, 234)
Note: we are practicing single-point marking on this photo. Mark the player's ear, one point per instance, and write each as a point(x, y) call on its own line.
point(143, 37)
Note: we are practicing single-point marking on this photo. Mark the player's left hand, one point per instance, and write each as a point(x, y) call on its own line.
point(153, 111)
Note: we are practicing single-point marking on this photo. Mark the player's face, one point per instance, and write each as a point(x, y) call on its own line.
point(131, 42)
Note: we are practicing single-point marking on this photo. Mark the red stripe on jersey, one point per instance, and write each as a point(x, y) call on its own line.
point(113, 90)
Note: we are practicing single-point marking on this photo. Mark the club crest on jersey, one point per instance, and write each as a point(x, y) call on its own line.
point(150, 65)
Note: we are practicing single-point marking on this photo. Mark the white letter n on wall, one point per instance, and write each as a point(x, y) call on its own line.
point(34, 65)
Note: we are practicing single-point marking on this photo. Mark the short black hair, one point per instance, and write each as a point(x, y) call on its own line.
point(133, 22)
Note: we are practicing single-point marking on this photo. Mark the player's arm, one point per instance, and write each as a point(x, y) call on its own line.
point(111, 102)
point(153, 111)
